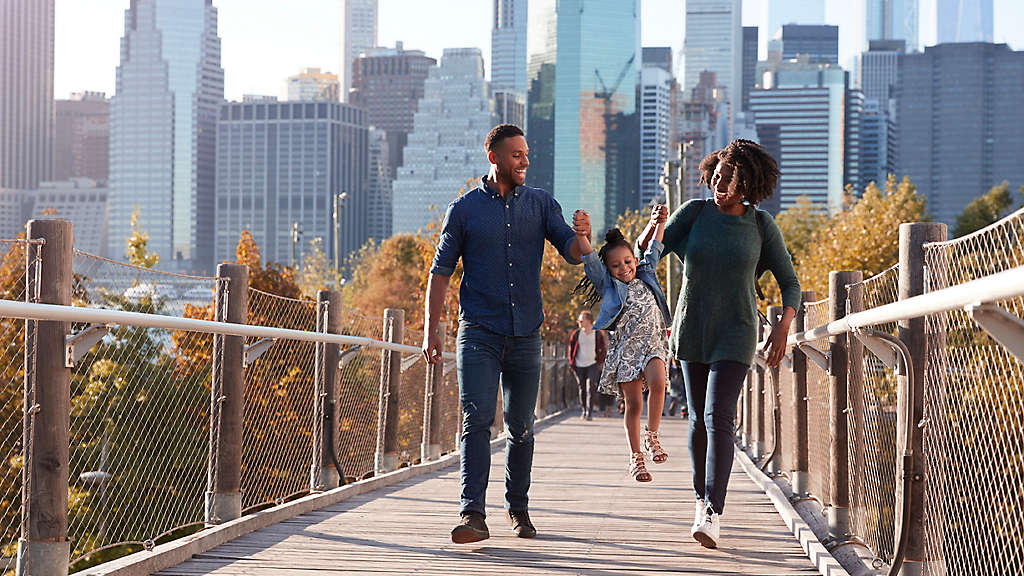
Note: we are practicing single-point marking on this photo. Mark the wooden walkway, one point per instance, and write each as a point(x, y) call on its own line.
point(591, 518)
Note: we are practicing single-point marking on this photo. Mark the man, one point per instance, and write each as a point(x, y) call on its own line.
point(587, 350)
point(498, 229)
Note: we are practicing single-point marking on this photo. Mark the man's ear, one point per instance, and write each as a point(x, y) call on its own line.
point(492, 157)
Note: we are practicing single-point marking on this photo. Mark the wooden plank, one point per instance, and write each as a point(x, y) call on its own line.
point(591, 516)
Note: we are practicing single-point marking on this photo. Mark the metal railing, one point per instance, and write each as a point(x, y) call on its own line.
point(170, 403)
point(924, 472)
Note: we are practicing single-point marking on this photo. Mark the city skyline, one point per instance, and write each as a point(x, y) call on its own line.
point(86, 56)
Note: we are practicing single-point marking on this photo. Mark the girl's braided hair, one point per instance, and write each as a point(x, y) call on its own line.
point(755, 172)
point(613, 238)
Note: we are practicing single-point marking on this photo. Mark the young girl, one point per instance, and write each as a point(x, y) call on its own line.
point(633, 307)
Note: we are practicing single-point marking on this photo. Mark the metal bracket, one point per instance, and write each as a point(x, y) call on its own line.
point(345, 356)
point(78, 345)
point(787, 361)
point(253, 351)
point(410, 360)
point(819, 357)
point(1002, 326)
point(879, 347)
point(449, 365)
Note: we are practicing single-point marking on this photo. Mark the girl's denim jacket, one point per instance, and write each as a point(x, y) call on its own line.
point(613, 291)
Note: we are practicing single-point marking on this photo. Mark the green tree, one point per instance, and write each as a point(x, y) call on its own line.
point(985, 210)
point(138, 245)
point(317, 271)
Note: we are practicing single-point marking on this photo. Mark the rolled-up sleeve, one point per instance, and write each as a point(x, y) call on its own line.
point(560, 234)
point(449, 245)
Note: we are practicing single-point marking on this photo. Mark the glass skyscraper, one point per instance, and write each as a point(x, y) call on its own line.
point(162, 131)
point(964, 21)
point(582, 67)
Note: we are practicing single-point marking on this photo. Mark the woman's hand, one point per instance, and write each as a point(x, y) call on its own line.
point(775, 348)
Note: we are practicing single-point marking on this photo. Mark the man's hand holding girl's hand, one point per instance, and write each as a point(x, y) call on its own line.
point(659, 214)
point(581, 223)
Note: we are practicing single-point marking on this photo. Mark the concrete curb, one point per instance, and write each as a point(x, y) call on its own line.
point(822, 559)
point(174, 553)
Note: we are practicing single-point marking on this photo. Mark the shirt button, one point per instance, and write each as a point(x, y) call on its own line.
point(508, 225)
point(511, 284)
point(509, 244)
point(513, 304)
point(509, 264)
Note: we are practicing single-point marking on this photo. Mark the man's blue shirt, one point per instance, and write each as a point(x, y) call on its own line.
point(501, 243)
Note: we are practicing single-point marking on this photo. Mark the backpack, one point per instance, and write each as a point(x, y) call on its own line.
point(761, 268)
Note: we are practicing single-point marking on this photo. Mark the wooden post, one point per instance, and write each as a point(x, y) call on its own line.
point(747, 399)
point(44, 547)
point(227, 397)
point(323, 474)
point(540, 410)
point(433, 416)
point(839, 448)
point(390, 388)
point(912, 332)
point(800, 453)
point(773, 397)
point(757, 405)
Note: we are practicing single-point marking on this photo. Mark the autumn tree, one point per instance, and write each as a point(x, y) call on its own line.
point(317, 271)
point(985, 209)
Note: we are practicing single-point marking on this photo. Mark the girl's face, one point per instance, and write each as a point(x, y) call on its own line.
point(720, 180)
point(621, 264)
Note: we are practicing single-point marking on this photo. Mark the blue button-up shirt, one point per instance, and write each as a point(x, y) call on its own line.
point(501, 243)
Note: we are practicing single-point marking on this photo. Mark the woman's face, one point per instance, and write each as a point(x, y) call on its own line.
point(621, 264)
point(720, 180)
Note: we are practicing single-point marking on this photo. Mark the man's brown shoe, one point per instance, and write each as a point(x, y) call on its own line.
point(472, 528)
point(521, 525)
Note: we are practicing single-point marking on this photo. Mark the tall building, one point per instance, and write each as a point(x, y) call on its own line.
point(892, 20)
point(508, 46)
point(749, 64)
point(658, 57)
point(312, 84)
point(853, 140)
point(82, 145)
point(80, 200)
point(509, 107)
point(696, 124)
point(959, 134)
point(964, 21)
point(379, 179)
point(656, 87)
point(877, 144)
point(714, 43)
point(819, 42)
point(800, 120)
point(446, 146)
point(879, 70)
point(26, 93)
point(163, 131)
point(388, 83)
point(284, 162)
point(358, 35)
point(775, 13)
point(582, 118)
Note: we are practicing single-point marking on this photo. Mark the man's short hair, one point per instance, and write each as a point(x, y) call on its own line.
point(587, 314)
point(499, 133)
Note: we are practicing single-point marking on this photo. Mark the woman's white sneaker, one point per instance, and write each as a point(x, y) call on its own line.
point(698, 517)
point(708, 532)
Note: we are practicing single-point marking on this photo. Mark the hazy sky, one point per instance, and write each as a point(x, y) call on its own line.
point(265, 41)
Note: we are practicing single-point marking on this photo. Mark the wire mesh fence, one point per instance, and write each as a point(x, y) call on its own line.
point(357, 403)
point(13, 276)
point(973, 418)
point(139, 434)
point(818, 451)
point(784, 452)
point(872, 428)
point(410, 421)
point(279, 405)
point(446, 399)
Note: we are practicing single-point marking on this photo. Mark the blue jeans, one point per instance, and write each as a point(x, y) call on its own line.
point(484, 356)
point(711, 394)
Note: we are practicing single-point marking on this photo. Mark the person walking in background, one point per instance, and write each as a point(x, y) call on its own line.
point(723, 243)
point(498, 230)
point(587, 350)
point(633, 307)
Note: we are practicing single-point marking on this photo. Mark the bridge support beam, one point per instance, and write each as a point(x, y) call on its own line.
point(323, 473)
point(44, 547)
point(388, 402)
point(799, 453)
point(839, 447)
point(913, 237)
point(227, 397)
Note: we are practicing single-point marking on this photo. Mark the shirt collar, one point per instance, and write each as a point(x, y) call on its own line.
point(491, 192)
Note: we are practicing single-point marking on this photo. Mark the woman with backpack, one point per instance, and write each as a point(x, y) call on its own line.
point(723, 242)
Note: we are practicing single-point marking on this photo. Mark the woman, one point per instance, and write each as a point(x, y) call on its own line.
point(722, 242)
point(587, 350)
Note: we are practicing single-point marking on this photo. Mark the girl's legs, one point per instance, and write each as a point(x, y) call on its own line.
point(654, 375)
point(632, 394)
point(695, 378)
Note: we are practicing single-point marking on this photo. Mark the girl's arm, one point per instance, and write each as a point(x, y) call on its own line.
point(658, 213)
point(659, 222)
